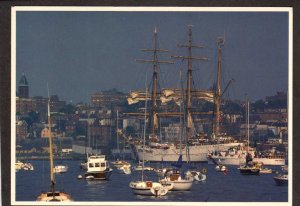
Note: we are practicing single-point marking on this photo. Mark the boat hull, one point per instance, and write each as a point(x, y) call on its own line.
point(228, 160)
point(197, 153)
point(281, 181)
point(147, 188)
point(249, 171)
point(98, 175)
point(56, 197)
point(270, 161)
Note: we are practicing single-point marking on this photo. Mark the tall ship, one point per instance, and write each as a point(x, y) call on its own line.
point(195, 148)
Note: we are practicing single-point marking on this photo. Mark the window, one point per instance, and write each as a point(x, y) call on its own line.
point(97, 164)
point(91, 165)
point(102, 164)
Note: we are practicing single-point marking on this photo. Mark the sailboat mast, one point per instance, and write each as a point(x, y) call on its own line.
point(155, 62)
point(248, 122)
point(50, 147)
point(154, 90)
point(117, 132)
point(220, 43)
point(189, 75)
point(189, 58)
point(144, 135)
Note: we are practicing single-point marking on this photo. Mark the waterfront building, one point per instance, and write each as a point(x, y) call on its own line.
point(108, 98)
point(21, 130)
point(24, 105)
point(70, 128)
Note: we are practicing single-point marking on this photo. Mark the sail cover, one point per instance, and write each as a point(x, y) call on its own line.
point(176, 95)
point(205, 95)
point(168, 95)
point(137, 96)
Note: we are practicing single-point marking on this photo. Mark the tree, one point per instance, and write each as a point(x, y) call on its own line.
point(233, 108)
point(259, 105)
point(68, 109)
point(34, 116)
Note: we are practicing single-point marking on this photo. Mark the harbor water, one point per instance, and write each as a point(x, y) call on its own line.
point(218, 187)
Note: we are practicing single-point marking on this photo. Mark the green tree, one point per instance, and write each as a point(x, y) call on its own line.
point(68, 109)
point(259, 105)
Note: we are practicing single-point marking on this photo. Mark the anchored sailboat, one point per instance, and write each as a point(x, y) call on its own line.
point(249, 168)
point(142, 187)
point(52, 195)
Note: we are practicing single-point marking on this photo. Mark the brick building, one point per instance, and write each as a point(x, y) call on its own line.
point(21, 130)
point(108, 98)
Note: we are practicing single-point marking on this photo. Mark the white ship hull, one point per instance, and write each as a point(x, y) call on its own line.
point(270, 161)
point(228, 160)
point(197, 153)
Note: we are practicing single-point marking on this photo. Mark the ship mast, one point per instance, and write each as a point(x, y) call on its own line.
point(189, 58)
point(155, 62)
point(50, 149)
point(220, 43)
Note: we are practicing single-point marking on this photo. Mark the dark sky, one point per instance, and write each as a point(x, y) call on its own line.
point(79, 53)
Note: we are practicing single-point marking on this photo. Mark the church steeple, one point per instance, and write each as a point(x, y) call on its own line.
point(23, 87)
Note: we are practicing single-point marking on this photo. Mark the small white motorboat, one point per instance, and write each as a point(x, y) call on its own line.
point(119, 163)
point(27, 166)
point(148, 188)
point(281, 179)
point(140, 168)
point(60, 169)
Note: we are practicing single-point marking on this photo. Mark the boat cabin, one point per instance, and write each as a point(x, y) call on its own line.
point(97, 163)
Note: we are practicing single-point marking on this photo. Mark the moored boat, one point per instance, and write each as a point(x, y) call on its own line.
point(249, 168)
point(60, 169)
point(52, 195)
point(281, 179)
point(18, 165)
point(97, 168)
point(179, 183)
point(148, 188)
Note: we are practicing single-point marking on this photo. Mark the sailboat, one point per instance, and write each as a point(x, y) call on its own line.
point(174, 177)
point(52, 195)
point(121, 165)
point(249, 168)
point(142, 187)
point(60, 168)
point(169, 152)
